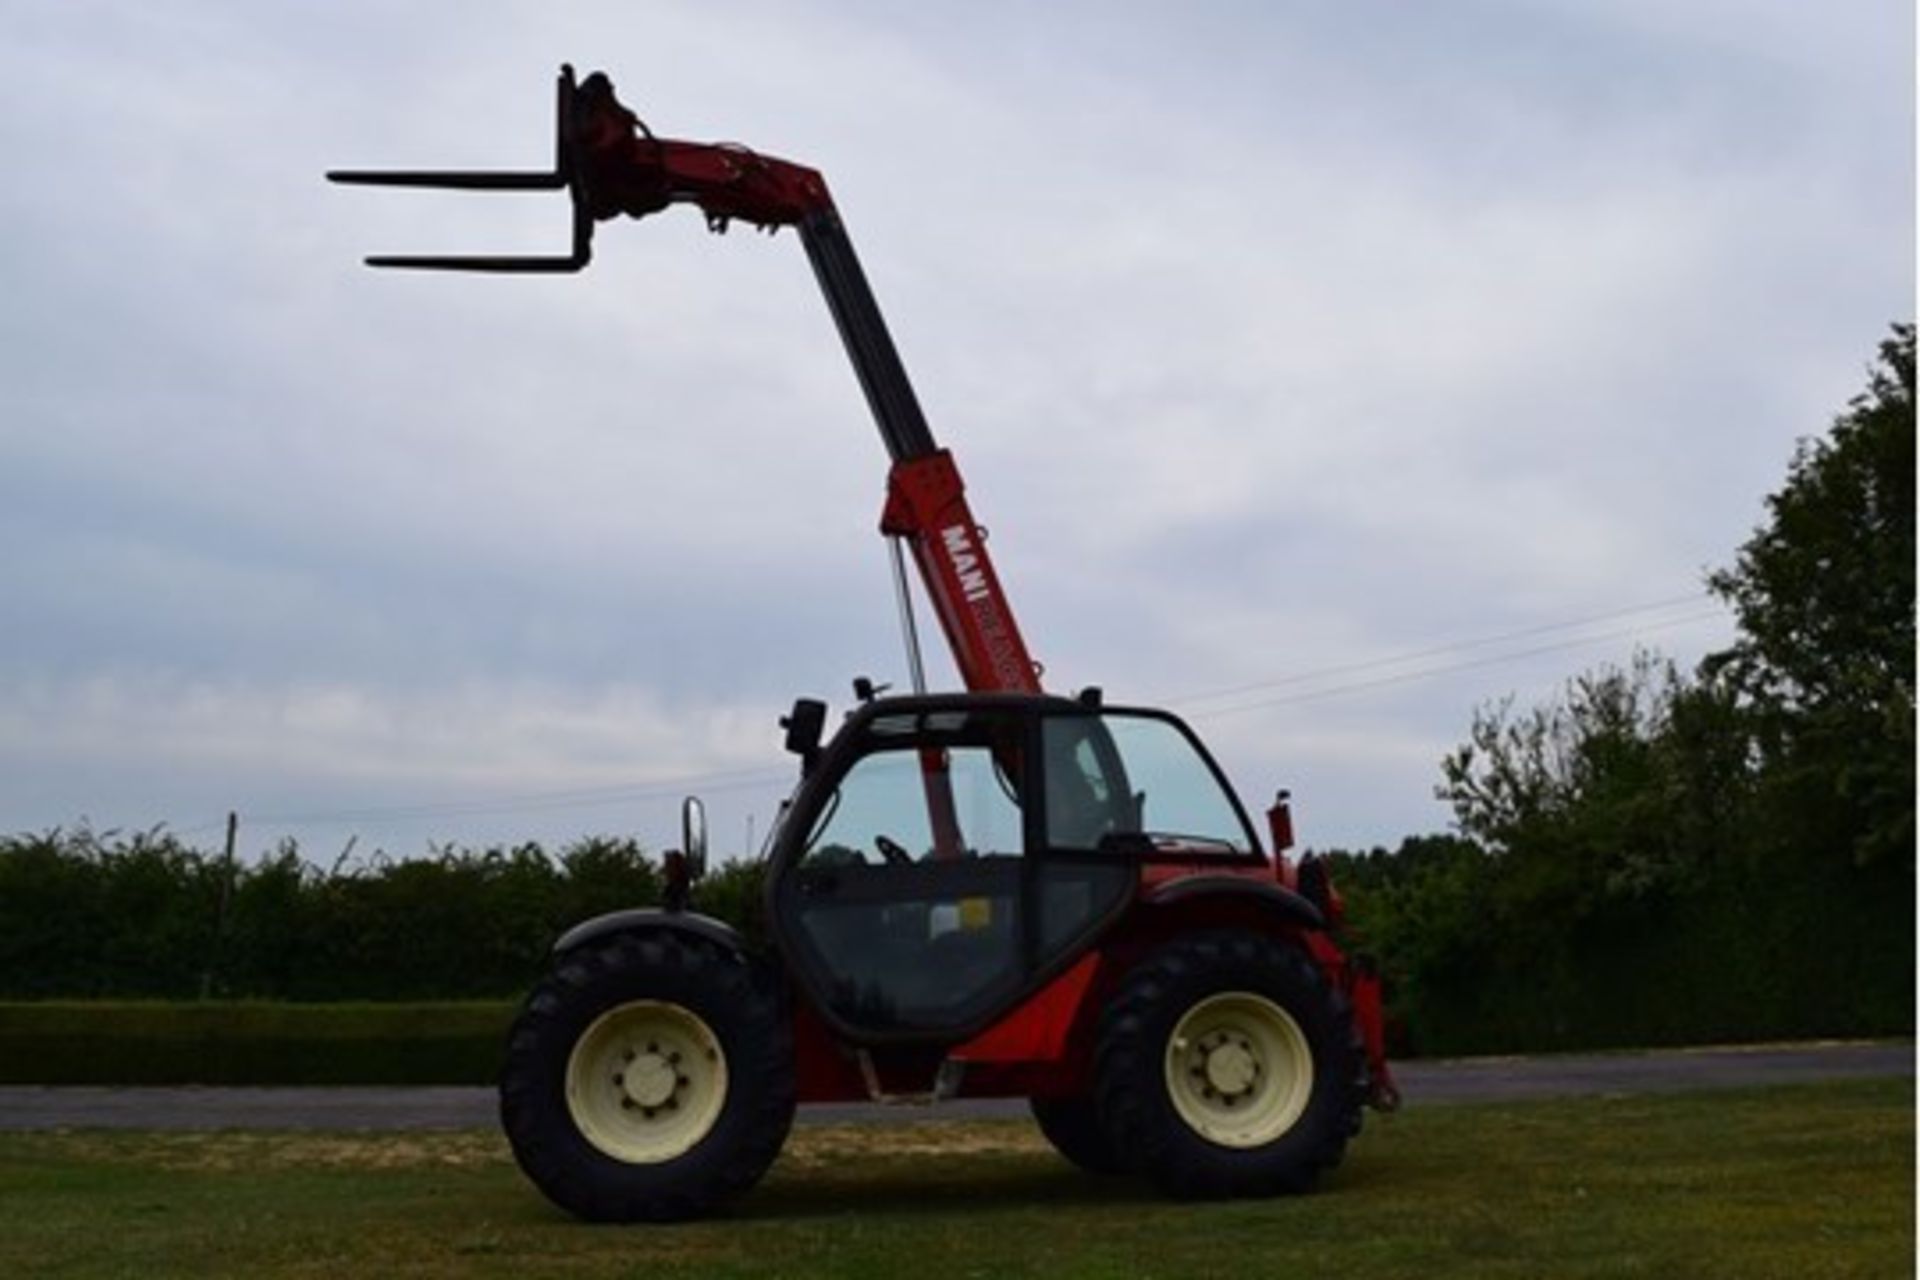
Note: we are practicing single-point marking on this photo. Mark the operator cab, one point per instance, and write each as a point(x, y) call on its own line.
point(944, 856)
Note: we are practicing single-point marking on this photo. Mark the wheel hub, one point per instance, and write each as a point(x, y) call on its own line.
point(1231, 1067)
point(1239, 1070)
point(649, 1080)
point(646, 1081)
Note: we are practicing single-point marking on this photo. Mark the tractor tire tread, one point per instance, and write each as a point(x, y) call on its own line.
point(729, 992)
point(1130, 1091)
point(1072, 1126)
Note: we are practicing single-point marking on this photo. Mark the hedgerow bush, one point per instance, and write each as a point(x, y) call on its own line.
point(112, 915)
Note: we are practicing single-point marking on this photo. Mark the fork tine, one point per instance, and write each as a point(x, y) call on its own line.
point(451, 179)
point(504, 265)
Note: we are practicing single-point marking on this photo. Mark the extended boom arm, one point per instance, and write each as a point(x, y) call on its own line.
point(611, 164)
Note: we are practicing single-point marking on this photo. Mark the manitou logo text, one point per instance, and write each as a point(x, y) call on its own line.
point(966, 562)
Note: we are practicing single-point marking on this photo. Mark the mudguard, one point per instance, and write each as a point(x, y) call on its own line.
point(1290, 906)
point(646, 918)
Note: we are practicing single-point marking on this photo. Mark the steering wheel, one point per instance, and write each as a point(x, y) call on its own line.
point(892, 850)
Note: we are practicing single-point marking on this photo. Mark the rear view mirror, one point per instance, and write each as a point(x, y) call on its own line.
point(693, 836)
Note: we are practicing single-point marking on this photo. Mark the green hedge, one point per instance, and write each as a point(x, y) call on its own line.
point(112, 916)
point(1780, 952)
point(252, 1042)
point(145, 917)
point(98, 934)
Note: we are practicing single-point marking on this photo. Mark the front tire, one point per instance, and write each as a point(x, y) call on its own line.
point(649, 1077)
point(1229, 1068)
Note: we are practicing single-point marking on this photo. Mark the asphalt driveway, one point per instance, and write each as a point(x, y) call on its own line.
point(1427, 1083)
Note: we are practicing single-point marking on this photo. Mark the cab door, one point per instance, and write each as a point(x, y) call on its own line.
point(923, 901)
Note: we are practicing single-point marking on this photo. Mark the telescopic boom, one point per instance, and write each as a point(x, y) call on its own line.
point(611, 164)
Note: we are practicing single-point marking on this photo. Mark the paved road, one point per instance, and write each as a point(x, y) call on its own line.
point(1422, 1083)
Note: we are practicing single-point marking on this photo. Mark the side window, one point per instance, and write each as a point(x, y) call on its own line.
point(1128, 774)
point(1178, 800)
point(1088, 793)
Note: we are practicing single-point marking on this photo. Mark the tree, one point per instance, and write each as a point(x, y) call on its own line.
point(1625, 786)
point(1824, 592)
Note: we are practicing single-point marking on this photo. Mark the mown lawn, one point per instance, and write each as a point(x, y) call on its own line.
point(1804, 1181)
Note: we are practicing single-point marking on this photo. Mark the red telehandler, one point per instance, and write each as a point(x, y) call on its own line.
point(996, 893)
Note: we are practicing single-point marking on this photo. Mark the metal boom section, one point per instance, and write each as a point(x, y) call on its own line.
point(611, 164)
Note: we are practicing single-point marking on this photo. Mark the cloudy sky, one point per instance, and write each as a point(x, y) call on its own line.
point(1323, 371)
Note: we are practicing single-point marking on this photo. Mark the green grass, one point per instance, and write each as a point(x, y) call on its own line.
point(1803, 1181)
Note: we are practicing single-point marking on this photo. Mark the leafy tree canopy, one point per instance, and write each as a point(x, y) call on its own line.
point(1628, 784)
point(1824, 592)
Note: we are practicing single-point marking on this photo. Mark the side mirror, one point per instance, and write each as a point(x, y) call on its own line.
point(693, 836)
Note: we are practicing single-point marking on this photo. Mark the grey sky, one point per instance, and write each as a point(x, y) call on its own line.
point(1273, 339)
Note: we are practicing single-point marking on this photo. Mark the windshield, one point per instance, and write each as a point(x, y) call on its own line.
point(1131, 774)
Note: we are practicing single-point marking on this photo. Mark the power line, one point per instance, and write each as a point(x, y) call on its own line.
point(1427, 672)
point(736, 780)
point(1349, 668)
point(744, 779)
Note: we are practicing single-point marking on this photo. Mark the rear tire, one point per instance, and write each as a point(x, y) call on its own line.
point(1073, 1127)
point(649, 1077)
point(1227, 1066)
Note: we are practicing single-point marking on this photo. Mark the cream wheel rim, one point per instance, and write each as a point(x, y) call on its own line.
point(1239, 1069)
point(646, 1081)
